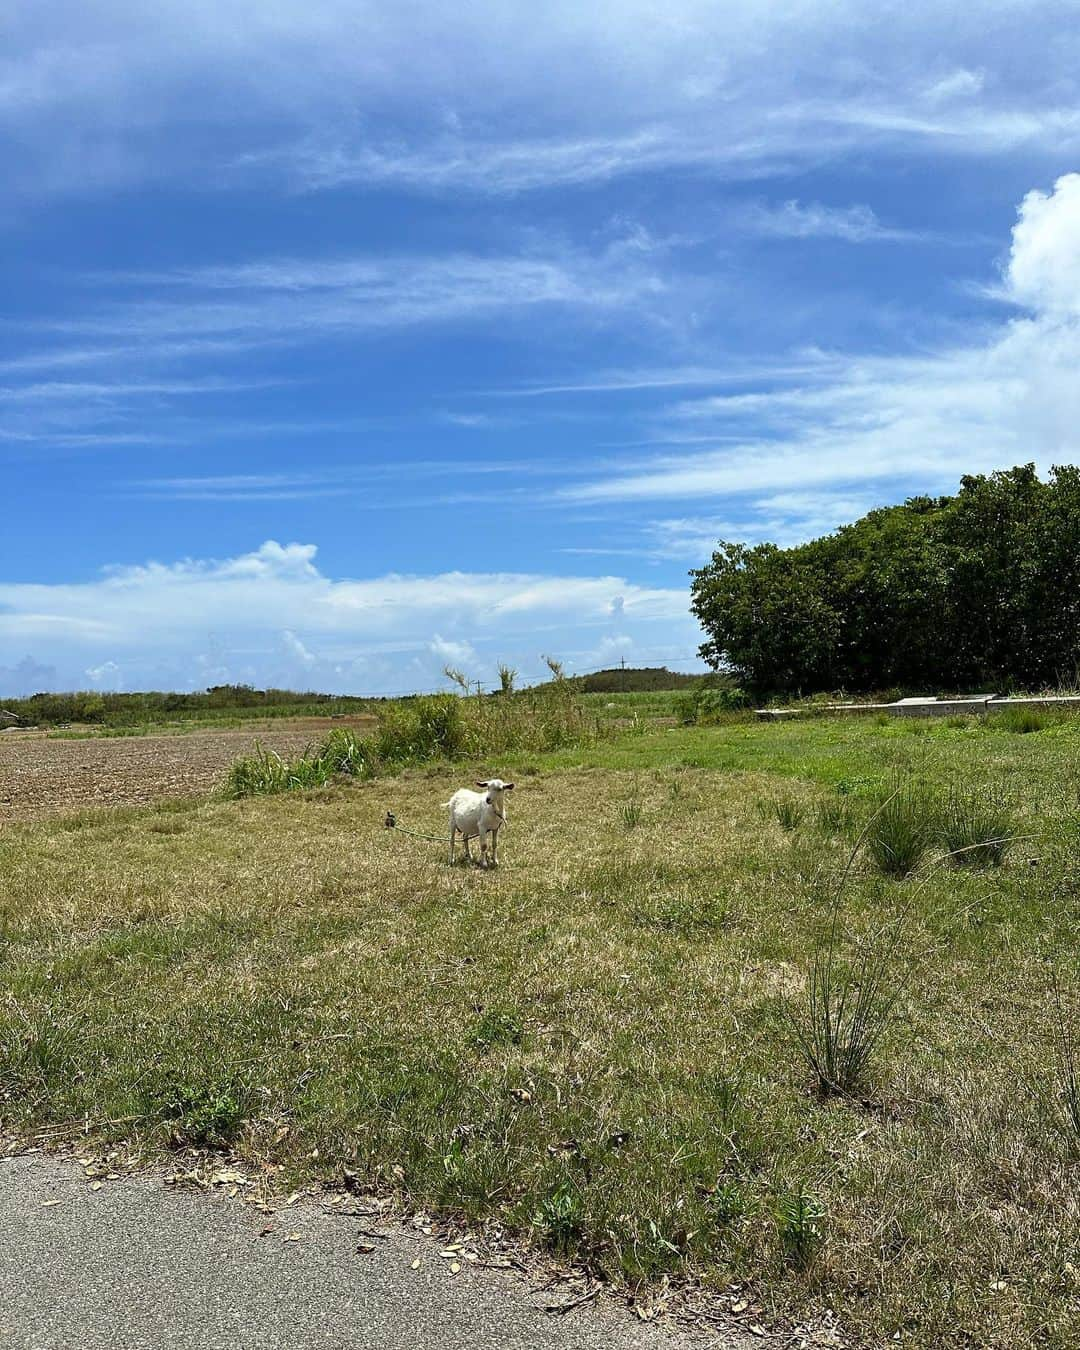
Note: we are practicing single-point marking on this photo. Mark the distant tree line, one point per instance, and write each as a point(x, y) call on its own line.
point(976, 590)
point(633, 679)
point(132, 709)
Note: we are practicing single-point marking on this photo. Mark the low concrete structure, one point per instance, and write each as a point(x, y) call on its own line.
point(940, 707)
point(977, 706)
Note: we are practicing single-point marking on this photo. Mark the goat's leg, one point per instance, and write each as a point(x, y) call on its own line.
point(494, 848)
point(466, 839)
point(453, 840)
point(483, 848)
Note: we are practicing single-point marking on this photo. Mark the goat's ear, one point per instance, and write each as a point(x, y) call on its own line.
point(481, 782)
point(508, 787)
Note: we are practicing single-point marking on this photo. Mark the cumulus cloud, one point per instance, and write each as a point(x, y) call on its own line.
point(1043, 271)
point(199, 621)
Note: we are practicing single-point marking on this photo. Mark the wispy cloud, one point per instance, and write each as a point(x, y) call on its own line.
point(1009, 399)
point(300, 299)
point(793, 220)
point(96, 95)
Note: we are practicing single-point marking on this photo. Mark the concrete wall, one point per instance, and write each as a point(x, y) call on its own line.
point(925, 707)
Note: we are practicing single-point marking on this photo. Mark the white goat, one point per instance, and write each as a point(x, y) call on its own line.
point(479, 815)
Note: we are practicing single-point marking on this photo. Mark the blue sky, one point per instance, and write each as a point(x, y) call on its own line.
point(340, 341)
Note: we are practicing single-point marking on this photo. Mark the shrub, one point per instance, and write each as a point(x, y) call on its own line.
point(710, 700)
point(901, 830)
point(975, 829)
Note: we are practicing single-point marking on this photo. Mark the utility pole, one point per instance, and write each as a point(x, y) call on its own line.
point(479, 688)
point(622, 680)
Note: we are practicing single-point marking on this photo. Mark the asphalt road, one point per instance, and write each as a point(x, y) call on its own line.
point(137, 1265)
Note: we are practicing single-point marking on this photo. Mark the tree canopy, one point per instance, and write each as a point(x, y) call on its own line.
point(964, 592)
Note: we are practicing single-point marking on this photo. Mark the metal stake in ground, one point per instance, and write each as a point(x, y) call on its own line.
point(391, 823)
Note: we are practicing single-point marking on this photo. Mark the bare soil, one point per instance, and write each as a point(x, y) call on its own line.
point(42, 776)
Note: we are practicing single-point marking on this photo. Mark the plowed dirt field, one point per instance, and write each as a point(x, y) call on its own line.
point(41, 776)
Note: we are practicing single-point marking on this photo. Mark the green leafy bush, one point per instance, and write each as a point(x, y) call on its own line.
point(710, 700)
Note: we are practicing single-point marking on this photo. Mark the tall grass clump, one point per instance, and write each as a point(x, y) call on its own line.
point(849, 1004)
point(430, 728)
point(975, 828)
point(837, 815)
point(416, 730)
point(901, 830)
point(788, 812)
point(1021, 721)
point(848, 1010)
point(265, 771)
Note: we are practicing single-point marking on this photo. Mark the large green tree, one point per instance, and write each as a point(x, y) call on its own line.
point(952, 592)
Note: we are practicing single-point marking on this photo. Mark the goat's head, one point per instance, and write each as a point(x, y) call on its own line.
point(495, 786)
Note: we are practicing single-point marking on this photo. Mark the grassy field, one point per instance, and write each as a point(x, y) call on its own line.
point(602, 1041)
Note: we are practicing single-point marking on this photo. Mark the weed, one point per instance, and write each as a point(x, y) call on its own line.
point(800, 1224)
point(265, 771)
point(728, 1202)
point(788, 812)
point(684, 915)
point(559, 1218)
point(848, 1012)
point(497, 1026)
point(204, 1115)
point(837, 816)
point(1067, 1105)
point(725, 1093)
point(631, 813)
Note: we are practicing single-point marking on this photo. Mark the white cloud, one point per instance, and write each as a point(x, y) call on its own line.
point(498, 98)
point(957, 84)
point(792, 220)
point(1013, 398)
point(199, 621)
point(295, 300)
point(108, 674)
point(1043, 271)
point(296, 648)
point(453, 653)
